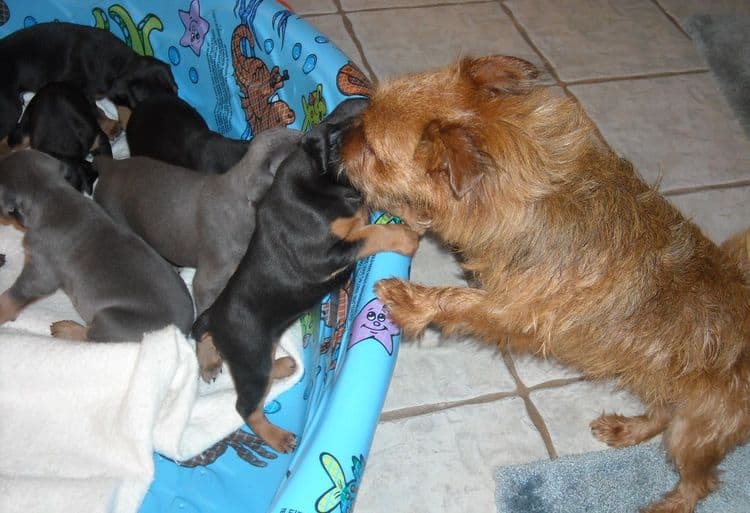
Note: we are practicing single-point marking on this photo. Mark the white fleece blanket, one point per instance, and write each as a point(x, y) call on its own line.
point(79, 421)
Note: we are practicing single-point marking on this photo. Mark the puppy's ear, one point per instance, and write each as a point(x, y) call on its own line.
point(500, 73)
point(318, 144)
point(144, 77)
point(451, 150)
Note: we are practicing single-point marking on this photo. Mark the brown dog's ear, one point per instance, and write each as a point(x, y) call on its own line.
point(450, 148)
point(500, 73)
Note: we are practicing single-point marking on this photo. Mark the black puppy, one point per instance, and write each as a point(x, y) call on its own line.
point(62, 122)
point(92, 59)
point(165, 127)
point(311, 228)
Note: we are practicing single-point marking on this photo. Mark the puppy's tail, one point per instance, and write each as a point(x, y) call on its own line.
point(738, 249)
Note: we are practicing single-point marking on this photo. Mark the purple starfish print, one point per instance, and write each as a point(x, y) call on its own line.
point(196, 27)
point(373, 322)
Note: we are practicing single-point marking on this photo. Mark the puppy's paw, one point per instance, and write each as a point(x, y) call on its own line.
point(279, 439)
point(407, 303)
point(283, 367)
point(69, 330)
point(408, 242)
point(9, 309)
point(209, 358)
point(617, 430)
point(286, 443)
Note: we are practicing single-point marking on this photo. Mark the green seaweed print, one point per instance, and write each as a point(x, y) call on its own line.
point(137, 36)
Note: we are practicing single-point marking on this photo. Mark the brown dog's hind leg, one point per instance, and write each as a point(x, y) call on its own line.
point(69, 330)
point(375, 237)
point(209, 358)
point(620, 431)
point(698, 437)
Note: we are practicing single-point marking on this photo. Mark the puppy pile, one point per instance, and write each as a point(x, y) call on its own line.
point(71, 66)
point(271, 225)
point(575, 256)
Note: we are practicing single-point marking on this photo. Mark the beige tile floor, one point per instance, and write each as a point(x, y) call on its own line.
point(456, 411)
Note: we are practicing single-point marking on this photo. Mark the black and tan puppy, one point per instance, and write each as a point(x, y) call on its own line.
point(92, 59)
point(167, 128)
point(311, 229)
point(61, 121)
point(193, 219)
point(118, 284)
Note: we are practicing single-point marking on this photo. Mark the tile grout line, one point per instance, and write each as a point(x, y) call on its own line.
point(357, 43)
point(671, 19)
point(419, 6)
point(681, 191)
point(531, 410)
point(644, 76)
point(426, 409)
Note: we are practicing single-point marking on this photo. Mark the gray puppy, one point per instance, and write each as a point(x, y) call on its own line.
point(119, 285)
point(193, 219)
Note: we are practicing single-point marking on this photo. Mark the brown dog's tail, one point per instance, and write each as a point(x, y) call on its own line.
point(738, 248)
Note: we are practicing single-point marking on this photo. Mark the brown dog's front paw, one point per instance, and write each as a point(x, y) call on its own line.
point(209, 358)
point(408, 305)
point(69, 330)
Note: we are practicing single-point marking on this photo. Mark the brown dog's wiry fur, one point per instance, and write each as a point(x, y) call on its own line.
point(575, 256)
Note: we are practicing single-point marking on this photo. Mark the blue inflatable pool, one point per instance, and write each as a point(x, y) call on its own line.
point(248, 65)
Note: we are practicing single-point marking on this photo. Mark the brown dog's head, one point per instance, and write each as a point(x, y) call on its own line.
point(427, 143)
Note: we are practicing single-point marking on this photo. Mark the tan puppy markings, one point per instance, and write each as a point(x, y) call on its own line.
point(375, 237)
point(209, 358)
point(69, 330)
point(9, 308)
point(283, 367)
point(123, 116)
point(5, 149)
point(280, 439)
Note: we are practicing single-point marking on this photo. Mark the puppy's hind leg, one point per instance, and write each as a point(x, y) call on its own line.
point(283, 367)
point(253, 381)
point(35, 281)
point(620, 431)
point(69, 330)
point(209, 358)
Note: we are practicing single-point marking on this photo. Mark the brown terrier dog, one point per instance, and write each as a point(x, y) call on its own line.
point(576, 257)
